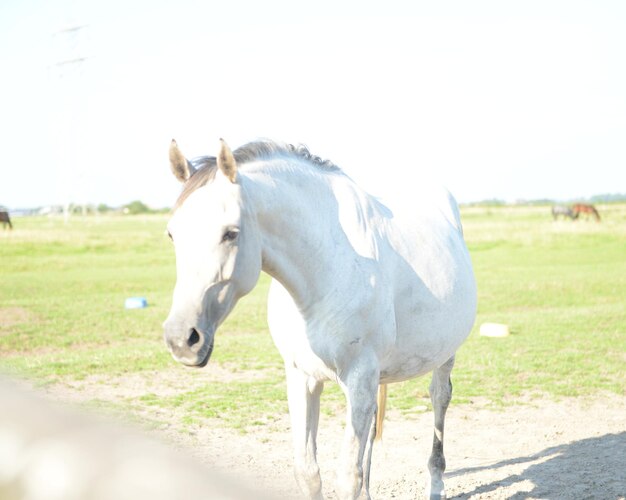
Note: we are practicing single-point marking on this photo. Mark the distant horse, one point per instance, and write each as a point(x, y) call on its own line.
point(563, 211)
point(589, 210)
point(365, 293)
point(5, 219)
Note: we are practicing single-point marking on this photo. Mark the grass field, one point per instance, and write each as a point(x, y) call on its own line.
point(561, 286)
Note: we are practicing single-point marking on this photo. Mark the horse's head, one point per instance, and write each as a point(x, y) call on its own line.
point(218, 256)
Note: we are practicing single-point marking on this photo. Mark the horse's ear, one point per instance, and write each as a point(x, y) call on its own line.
point(226, 162)
point(181, 168)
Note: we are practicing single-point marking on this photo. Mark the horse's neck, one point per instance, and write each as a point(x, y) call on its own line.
point(301, 235)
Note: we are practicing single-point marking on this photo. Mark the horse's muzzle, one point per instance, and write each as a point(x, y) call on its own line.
point(190, 347)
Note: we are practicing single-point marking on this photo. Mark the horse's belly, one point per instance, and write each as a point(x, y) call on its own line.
point(420, 351)
point(430, 326)
point(414, 362)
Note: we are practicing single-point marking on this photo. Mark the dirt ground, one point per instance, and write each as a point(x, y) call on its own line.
point(568, 449)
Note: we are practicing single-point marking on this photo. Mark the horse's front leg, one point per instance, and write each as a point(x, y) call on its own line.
point(359, 384)
point(440, 395)
point(303, 394)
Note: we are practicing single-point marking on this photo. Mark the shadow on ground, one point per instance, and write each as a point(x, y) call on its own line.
point(589, 468)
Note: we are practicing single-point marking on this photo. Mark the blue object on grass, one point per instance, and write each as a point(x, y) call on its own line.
point(136, 303)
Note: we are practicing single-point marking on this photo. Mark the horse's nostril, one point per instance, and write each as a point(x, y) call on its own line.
point(194, 338)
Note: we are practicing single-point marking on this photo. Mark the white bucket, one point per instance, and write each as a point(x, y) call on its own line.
point(494, 330)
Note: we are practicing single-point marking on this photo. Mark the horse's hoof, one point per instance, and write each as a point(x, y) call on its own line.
point(438, 493)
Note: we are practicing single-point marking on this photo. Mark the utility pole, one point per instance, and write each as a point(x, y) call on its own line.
point(69, 45)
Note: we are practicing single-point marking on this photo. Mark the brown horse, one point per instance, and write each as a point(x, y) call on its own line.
point(5, 219)
point(589, 210)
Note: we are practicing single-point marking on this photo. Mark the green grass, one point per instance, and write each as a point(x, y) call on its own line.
point(559, 286)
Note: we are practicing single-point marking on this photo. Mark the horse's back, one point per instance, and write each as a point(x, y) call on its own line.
point(426, 229)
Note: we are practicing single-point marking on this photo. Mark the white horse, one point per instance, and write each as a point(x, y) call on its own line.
point(364, 293)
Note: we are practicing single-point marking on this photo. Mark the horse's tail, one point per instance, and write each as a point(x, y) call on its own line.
point(381, 400)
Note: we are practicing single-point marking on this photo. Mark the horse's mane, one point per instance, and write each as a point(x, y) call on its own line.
point(205, 166)
point(260, 150)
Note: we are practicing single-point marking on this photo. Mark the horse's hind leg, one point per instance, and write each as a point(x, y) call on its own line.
point(440, 395)
point(303, 394)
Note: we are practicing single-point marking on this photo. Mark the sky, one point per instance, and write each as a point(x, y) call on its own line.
point(494, 99)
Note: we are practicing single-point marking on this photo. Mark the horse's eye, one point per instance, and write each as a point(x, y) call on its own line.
point(230, 235)
point(169, 235)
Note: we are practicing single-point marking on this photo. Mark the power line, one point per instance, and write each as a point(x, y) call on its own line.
point(69, 46)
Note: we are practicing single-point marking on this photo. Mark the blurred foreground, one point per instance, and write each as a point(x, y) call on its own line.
point(49, 452)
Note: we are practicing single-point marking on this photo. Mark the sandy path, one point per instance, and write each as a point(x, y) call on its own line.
point(571, 449)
